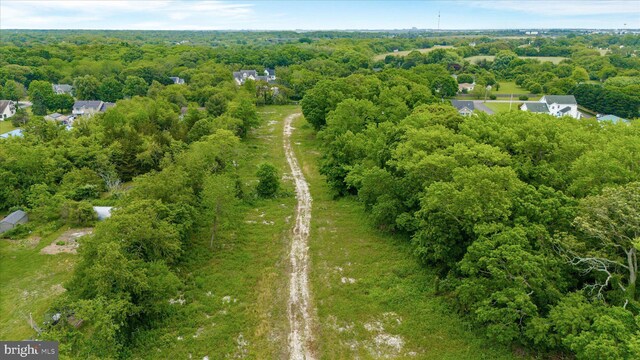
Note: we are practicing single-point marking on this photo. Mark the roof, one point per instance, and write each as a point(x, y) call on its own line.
point(4, 104)
point(271, 72)
point(54, 115)
point(244, 73)
point(537, 107)
point(565, 110)
point(65, 88)
point(16, 132)
point(462, 104)
point(560, 99)
point(87, 104)
point(176, 80)
point(14, 217)
point(106, 106)
point(612, 118)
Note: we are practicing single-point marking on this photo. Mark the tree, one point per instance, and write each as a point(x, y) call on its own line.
point(41, 95)
point(110, 90)
point(63, 102)
point(579, 74)
point(245, 110)
point(216, 105)
point(20, 118)
point(134, 86)
point(268, 180)
point(218, 202)
point(611, 224)
point(13, 90)
point(86, 88)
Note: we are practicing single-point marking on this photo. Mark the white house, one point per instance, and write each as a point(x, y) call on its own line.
point(466, 86)
point(464, 107)
point(87, 107)
point(241, 76)
point(7, 109)
point(177, 80)
point(62, 89)
point(556, 105)
point(562, 105)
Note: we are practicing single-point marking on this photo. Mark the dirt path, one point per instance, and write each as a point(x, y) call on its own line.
point(300, 318)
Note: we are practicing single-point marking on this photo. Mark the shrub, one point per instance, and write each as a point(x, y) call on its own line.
point(492, 97)
point(523, 98)
point(77, 213)
point(269, 181)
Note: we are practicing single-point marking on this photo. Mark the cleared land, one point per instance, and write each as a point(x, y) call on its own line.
point(235, 300)
point(373, 299)
point(31, 281)
point(6, 126)
point(503, 106)
point(406, 52)
point(553, 59)
point(509, 87)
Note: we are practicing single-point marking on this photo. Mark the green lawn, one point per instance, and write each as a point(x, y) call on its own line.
point(509, 87)
point(406, 52)
point(6, 126)
point(554, 59)
point(236, 295)
point(373, 299)
point(503, 107)
point(30, 283)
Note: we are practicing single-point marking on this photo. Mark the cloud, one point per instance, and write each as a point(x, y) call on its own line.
point(565, 8)
point(109, 14)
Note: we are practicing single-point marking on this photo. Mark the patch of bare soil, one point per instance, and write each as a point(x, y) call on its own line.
point(300, 319)
point(67, 242)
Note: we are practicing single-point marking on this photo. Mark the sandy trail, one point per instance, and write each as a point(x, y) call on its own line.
point(300, 318)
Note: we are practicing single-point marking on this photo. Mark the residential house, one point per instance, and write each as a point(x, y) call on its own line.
point(7, 109)
point(241, 76)
point(464, 107)
point(556, 105)
point(62, 89)
point(177, 80)
point(90, 107)
point(12, 220)
point(466, 86)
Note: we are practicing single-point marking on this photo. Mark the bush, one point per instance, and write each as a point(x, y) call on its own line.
point(78, 213)
point(492, 97)
point(523, 98)
point(269, 181)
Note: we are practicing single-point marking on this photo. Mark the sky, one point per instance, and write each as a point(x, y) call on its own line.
point(317, 15)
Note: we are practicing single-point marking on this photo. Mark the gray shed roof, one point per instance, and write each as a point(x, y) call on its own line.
point(4, 104)
point(461, 104)
point(537, 107)
point(87, 104)
point(560, 99)
point(14, 217)
point(565, 110)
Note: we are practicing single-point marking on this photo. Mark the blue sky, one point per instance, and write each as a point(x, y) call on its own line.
point(321, 15)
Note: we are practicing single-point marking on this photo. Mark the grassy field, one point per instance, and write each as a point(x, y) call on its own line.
point(553, 59)
point(30, 283)
point(509, 87)
point(236, 295)
point(503, 106)
point(6, 126)
point(406, 52)
point(373, 300)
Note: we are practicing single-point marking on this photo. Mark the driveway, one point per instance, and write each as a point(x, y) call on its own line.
point(478, 104)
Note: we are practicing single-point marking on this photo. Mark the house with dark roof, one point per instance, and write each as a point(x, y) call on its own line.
point(562, 105)
point(12, 220)
point(62, 89)
point(7, 109)
point(464, 107)
point(243, 75)
point(86, 107)
point(535, 107)
point(556, 105)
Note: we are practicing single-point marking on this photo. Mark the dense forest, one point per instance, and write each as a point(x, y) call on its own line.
point(532, 222)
